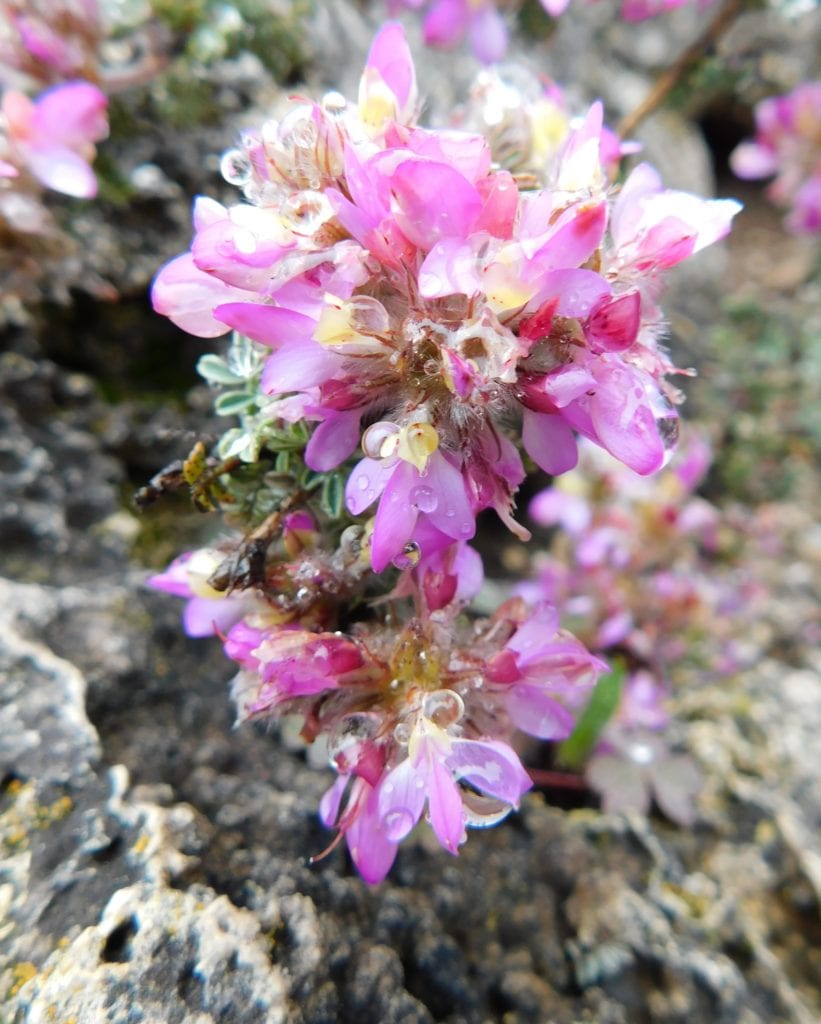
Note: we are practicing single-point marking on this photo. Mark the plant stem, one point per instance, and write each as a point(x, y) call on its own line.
point(691, 56)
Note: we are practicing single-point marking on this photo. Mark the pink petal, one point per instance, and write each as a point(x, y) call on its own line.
point(549, 441)
point(620, 783)
point(330, 802)
point(466, 152)
point(614, 325)
point(401, 799)
point(61, 169)
point(446, 23)
point(750, 160)
point(333, 441)
point(390, 56)
point(452, 267)
point(492, 767)
point(395, 517)
point(487, 34)
point(205, 616)
point(531, 638)
point(538, 714)
point(631, 436)
point(187, 296)
point(576, 291)
point(371, 850)
point(453, 514)
point(432, 201)
point(447, 817)
point(573, 240)
point(269, 325)
point(297, 367)
point(71, 115)
point(367, 481)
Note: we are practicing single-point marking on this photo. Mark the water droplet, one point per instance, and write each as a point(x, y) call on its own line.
point(362, 483)
point(346, 744)
point(235, 167)
point(443, 707)
point(409, 556)
point(398, 823)
point(379, 439)
point(402, 734)
point(424, 498)
point(450, 511)
point(466, 530)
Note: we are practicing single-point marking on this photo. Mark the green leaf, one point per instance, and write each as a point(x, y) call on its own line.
point(231, 403)
point(216, 370)
point(600, 709)
point(332, 498)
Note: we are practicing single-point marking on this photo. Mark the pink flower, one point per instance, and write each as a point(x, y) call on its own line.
point(207, 611)
point(54, 136)
point(542, 673)
point(786, 145)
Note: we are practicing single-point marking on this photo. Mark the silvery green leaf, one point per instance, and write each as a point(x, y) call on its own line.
point(216, 370)
point(230, 403)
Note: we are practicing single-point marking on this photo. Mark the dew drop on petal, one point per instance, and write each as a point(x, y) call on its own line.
point(235, 167)
point(409, 556)
point(443, 707)
point(424, 498)
point(402, 734)
point(398, 823)
point(362, 483)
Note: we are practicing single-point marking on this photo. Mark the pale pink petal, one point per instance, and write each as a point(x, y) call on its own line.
point(367, 481)
point(535, 633)
point(468, 153)
point(487, 34)
point(71, 115)
point(330, 802)
point(538, 714)
point(750, 160)
point(452, 267)
point(626, 427)
point(576, 291)
point(552, 507)
point(390, 56)
point(187, 296)
point(297, 367)
point(492, 767)
point(401, 798)
point(205, 616)
point(620, 783)
point(62, 169)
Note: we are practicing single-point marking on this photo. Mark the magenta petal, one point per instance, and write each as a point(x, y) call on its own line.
point(447, 816)
point(395, 517)
point(613, 326)
point(492, 767)
point(549, 441)
point(269, 325)
point(538, 714)
point(432, 201)
point(401, 798)
point(333, 441)
point(578, 235)
point(446, 23)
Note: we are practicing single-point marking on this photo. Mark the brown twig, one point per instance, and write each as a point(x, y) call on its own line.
point(671, 78)
point(556, 780)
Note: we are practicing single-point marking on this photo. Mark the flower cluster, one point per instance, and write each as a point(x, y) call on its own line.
point(635, 570)
point(400, 289)
point(50, 41)
point(447, 22)
point(787, 147)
